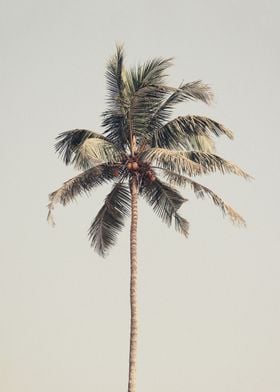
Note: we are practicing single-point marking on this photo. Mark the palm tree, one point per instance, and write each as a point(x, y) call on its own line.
point(143, 153)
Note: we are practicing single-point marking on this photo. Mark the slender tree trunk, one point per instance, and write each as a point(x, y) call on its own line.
point(133, 286)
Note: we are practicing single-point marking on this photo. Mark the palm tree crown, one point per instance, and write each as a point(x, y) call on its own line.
point(142, 143)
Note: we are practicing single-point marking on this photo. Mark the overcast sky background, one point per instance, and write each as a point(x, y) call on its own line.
point(208, 306)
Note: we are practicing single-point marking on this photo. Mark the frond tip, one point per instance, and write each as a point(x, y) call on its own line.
point(181, 224)
point(50, 218)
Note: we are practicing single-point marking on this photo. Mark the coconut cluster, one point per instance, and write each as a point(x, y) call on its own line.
point(133, 165)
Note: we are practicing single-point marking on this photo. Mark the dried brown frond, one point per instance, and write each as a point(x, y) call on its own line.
point(201, 191)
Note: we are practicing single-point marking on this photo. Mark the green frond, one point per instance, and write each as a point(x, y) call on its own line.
point(202, 125)
point(110, 219)
point(115, 78)
point(186, 130)
point(85, 148)
point(151, 73)
point(81, 184)
point(119, 125)
point(188, 91)
point(202, 191)
point(165, 202)
point(115, 118)
point(146, 88)
point(174, 160)
point(116, 128)
point(144, 103)
point(191, 91)
point(68, 142)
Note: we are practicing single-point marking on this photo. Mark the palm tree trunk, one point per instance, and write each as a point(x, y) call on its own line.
point(133, 286)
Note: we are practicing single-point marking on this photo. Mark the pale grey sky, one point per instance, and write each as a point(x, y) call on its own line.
point(209, 305)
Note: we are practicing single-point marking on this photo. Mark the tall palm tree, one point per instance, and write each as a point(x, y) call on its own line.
point(143, 153)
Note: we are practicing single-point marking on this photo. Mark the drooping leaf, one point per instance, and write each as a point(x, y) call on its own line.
point(165, 202)
point(181, 224)
point(181, 132)
point(81, 184)
point(69, 141)
point(110, 219)
point(85, 148)
point(191, 162)
point(202, 191)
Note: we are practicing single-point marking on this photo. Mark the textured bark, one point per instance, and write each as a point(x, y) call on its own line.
point(133, 286)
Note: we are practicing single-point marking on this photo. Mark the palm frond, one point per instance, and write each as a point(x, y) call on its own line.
point(119, 125)
point(85, 148)
point(115, 118)
point(191, 91)
point(203, 143)
point(95, 151)
point(173, 136)
point(116, 128)
point(174, 160)
point(183, 129)
point(110, 219)
point(151, 73)
point(143, 105)
point(185, 92)
point(202, 191)
point(146, 91)
point(115, 79)
point(165, 202)
point(81, 184)
point(69, 141)
point(213, 163)
point(181, 224)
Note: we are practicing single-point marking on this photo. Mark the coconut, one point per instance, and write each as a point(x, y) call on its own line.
point(129, 165)
point(135, 166)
